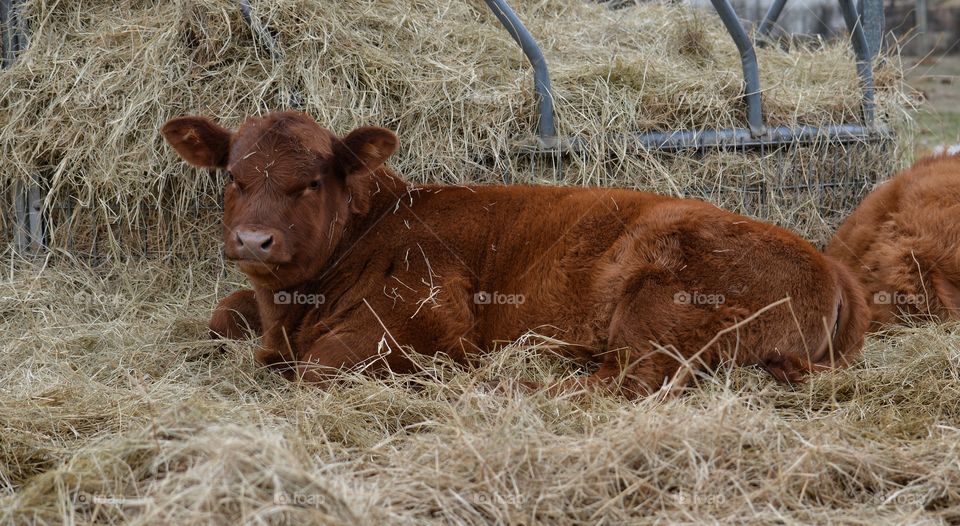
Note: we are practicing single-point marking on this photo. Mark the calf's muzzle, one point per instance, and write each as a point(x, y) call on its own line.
point(265, 245)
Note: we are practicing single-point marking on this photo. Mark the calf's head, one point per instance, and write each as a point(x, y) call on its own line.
point(838, 336)
point(291, 187)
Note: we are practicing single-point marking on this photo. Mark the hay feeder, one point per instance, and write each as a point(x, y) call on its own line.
point(809, 175)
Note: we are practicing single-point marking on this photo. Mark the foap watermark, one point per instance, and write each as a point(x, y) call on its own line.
point(90, 299)
point(899, 499)
point(898, 298)
point(495, 499)
point(305, 500)
point(111, 500)
point(686, 498)
point(298, 298)
point(698, 298)
point(498, 298)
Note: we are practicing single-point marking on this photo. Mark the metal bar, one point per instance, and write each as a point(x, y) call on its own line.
point(4, 30)
point(864, 58)
point(260, 31)
point(264, 36)
point(743, 138)
point(21, 233)
point(541, 74)
point(922, 24)
point(748, 57)
point(734, 138)
point(35, 217)
point(27, 197)
point(871, 12)
point(773, 14)
point(21, 228)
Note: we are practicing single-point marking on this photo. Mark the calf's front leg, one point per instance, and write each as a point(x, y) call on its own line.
point(343, 349)
point(365, 342)
point(236, 317)
point(319, 351)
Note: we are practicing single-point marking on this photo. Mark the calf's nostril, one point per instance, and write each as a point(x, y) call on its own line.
point(256, 244)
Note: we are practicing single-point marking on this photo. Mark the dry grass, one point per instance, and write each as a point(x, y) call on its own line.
point(114, 407)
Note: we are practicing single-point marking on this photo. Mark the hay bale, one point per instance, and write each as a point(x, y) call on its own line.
point(81, 109)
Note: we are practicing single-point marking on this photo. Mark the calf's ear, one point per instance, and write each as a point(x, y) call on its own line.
point(357, 155)
point(364, 150)
point(199, 141)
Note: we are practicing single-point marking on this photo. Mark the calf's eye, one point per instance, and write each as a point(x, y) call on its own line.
point(314, 184)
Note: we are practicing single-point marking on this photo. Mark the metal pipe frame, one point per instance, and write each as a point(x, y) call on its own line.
point(748, 58)
point(872, 20)
point(756, 135)
point(769, 19)
point(736, 138)
point(263, 34)
point(743, 138)
point(27, 199)
point(541, 74)
point(864, 58)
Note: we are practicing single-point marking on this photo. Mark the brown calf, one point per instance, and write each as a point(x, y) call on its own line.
point(903, 243)
point(352, 267)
